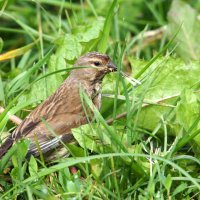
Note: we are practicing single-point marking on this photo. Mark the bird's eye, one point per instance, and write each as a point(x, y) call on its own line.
point(97, 63)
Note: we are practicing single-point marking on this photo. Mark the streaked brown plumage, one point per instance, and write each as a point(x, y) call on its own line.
point(63, 110)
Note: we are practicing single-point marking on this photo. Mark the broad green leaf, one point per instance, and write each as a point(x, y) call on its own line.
point(75, 150)
point(71, 186)
point(90, 31)
point(108, 88)
point(21, 151)
point(33, 167)
point(88, 136)
point(69, 48)
point(188, 38)
point(188, 109)
point(96, 167)
point(19, 166)
point(64, 176)
point(187, 117)
point(167, 182)
point(167, 78)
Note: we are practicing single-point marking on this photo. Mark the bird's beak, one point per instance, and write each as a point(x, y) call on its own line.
point(111, 66)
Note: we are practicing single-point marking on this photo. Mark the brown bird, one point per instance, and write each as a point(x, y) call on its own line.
point(63, 110)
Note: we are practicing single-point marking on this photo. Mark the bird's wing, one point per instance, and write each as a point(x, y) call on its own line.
point(50, 133)
point(47, 133)
point(51, 130)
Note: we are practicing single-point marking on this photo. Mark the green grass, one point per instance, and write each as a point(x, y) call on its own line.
point(152, 152)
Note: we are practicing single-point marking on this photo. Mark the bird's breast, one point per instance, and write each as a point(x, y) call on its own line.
point(96, 96)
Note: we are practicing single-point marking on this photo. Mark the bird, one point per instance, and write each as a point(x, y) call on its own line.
point(63, 110)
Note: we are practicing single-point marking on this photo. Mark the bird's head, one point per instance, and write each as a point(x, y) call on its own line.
point(97, 66)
